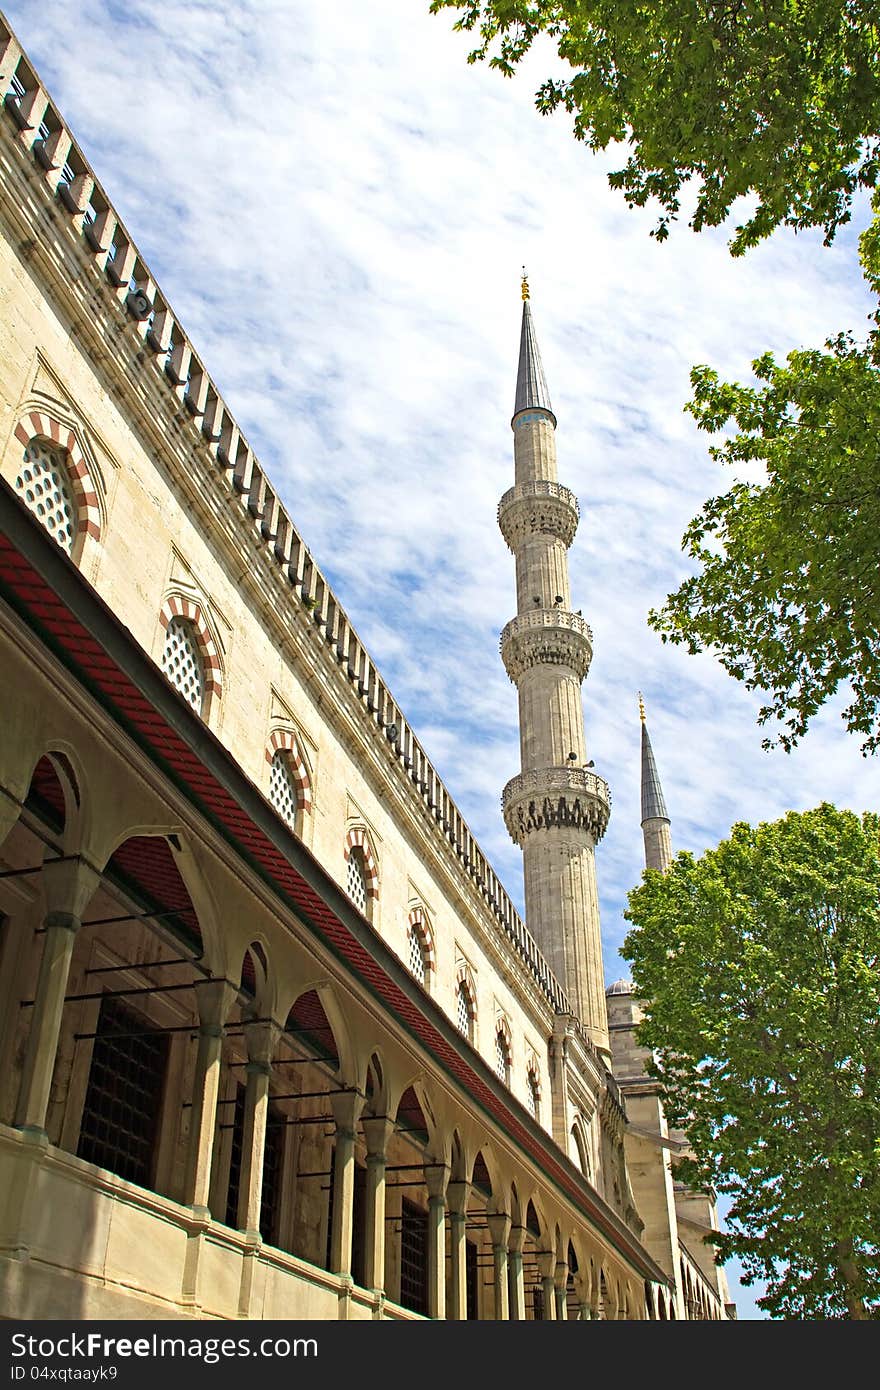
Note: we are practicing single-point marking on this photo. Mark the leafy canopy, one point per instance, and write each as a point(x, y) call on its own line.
point(788, 590)
point(779, 99)
point(762, 964)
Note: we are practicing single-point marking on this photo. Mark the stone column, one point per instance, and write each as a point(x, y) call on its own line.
point(458, 1194)
point(69, 885)
point(215, 1000)
point(499, 1229)
point(346, 1107)
point(547, 1271)
point(378, 1130)
point(517, 1281)
point(561, 1291)
point(436, 1180)
point(261, 1039)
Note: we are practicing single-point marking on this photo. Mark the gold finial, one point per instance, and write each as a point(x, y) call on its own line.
point(525, 284)
point(641, 708)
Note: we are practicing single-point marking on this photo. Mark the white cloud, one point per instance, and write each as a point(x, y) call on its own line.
point(337, 207)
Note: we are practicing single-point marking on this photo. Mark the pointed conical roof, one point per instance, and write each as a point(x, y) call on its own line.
point(531, 384)
point(653, 805)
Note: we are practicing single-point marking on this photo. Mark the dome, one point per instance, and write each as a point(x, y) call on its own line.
point(620, 987)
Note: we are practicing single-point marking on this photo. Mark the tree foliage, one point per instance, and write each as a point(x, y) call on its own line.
point(762, 964)
point(779, 99)
point(788, 590)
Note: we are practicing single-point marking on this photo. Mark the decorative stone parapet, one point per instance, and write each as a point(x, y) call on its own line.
point(538, 508)
point(556, 798)
point(547, 636)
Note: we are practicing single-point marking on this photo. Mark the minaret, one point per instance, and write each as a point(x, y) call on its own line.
point(655, 821)
point(556, 810)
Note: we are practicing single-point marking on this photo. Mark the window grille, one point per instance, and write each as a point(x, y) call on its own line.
point(119, 1128)
point(465, 1010)
point(234, 1184)
point(417, 962)
point(283, 790)
point(44, 483)
point(471, 1269)
point(413, 1258)
point(502, 1057)
point(182, 661)
point(357, 879)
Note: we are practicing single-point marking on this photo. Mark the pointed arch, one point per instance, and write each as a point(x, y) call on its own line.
point(178, 605)
point(38, 425)
point(419, 921)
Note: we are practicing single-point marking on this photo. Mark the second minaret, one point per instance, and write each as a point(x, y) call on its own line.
point(556, 809)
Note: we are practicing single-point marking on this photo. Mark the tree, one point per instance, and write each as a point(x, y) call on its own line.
point(761, 962)
point(788, 593)
point(779, 100)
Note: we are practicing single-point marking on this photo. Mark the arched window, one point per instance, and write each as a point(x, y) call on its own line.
point(418, 963)
point(464, 1009)
point(182, 661)
point(362, 873)
point(46, 487)
point(533, 1094)
point(582, 1151)
point(502, 1055)
point(284, 789)
point(356, 883)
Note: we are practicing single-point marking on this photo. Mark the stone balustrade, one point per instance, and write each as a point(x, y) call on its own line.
point(540, 507)
point(547, 636)
point(548, 797)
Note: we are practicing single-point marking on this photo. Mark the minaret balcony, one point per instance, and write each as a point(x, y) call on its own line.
point(539, 508)
point(556, 798)
point(547, 637)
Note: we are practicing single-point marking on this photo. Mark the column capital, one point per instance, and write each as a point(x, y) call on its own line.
point(378, 1130)
point(346, 1106)
point(437, 1181)
point(499, 1227)
point(458, 1195)
point(68, 884)
point(215, 1002)
point(547, 1264)
point(517, 1239)
point(560, 1274)
point(261, 1038)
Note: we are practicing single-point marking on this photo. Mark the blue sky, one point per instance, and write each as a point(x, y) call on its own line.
point(337, 206)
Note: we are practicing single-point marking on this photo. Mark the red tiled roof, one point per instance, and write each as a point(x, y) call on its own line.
point(50, 616)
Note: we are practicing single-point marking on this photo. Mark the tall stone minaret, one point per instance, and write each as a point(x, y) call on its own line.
point(556, 810)
point(655, 821)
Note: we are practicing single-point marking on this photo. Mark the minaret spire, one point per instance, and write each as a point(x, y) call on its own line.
point(655, 820)
point(531, 384)
point(556, 809)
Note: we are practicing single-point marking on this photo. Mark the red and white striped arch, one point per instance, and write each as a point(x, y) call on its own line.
point(283, 741)
point(464, 976)
point(502, 1026)
point(38, 425)
point(419, 923)
point(357, 838)
point(533, 1072)
point(176, 606)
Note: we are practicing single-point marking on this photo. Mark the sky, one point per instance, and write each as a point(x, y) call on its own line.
point(337, 207)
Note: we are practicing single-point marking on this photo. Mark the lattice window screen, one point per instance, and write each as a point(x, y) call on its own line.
point(417, 955)
point(182, 661)
point(44, 483)
point(283, 790)
point(357, 879)
point(465, 1010)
